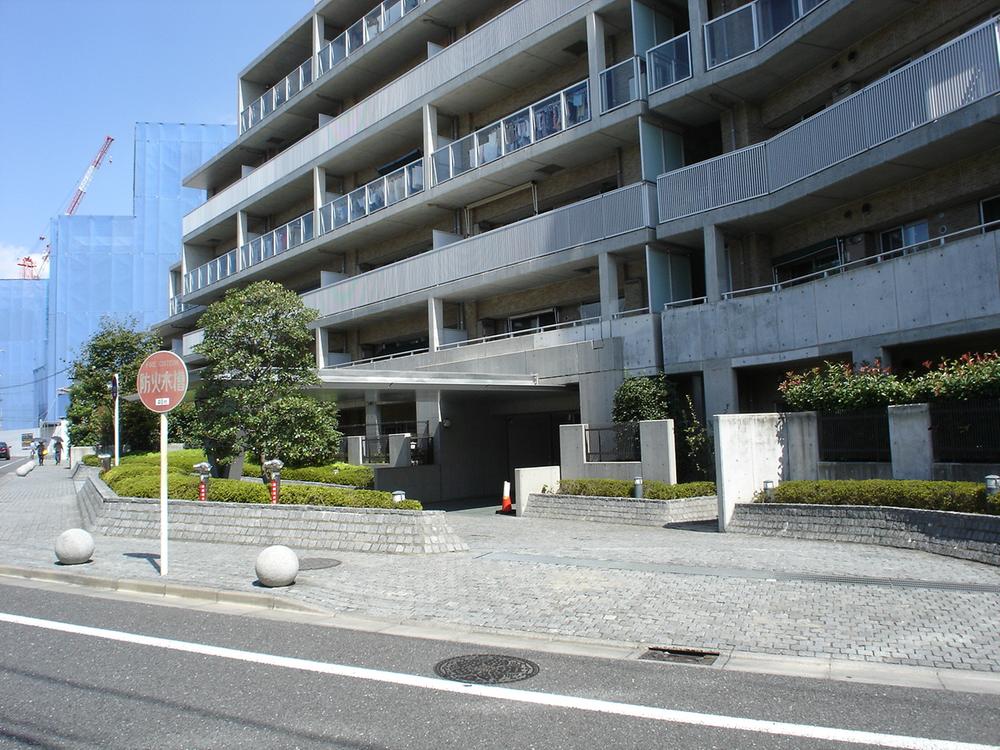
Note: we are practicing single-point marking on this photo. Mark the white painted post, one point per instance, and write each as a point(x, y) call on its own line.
point(163, 494)
point(117, 430)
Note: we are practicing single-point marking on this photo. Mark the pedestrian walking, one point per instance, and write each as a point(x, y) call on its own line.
point(41, 454)
point(58, 452)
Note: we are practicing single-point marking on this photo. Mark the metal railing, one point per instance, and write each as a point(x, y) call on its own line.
point(362, 31)
point(553, 114)
point(591, 220)
point(928, 244)
point(966, 431)
point(961, 72)
point(855, 436)
point(618, 442)
point(376, 195)
point(685, 303)
point(622, 84)
point(747, 28)
point(382, 358)
point(277, 95)
point(177, 305)
point(669, 63)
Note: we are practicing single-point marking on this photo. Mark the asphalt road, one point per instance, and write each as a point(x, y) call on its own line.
point(174, 677)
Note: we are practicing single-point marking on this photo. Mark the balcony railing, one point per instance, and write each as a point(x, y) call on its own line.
point(177, 306)
point(358, 34)
point(622, 84)
point(741, 31)
point(554, 114)
point(669, 63)
point(608, 215)
point(280, 93)
point(376, 195)
point(958, 74)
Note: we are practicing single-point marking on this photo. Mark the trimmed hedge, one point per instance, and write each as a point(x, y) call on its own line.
point(134, 481)
point(652, 490)
point(91, 461)
point(362, 477)
point(961, 497)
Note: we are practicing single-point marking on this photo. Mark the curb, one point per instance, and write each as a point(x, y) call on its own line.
point(200, 594)
point(825, 668)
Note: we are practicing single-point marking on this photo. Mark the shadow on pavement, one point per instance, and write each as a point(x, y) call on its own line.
point(151, 557)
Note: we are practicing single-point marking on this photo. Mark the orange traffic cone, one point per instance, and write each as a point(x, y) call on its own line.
point(505, 506)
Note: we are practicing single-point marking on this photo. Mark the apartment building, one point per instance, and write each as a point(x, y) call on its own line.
point(501, 209)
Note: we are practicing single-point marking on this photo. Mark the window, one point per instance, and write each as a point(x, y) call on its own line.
point(909, 234)
point(530, 321)
point(821, 257)
point(989, 212)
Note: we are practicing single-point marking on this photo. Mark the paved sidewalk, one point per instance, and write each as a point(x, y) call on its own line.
point(682, 587)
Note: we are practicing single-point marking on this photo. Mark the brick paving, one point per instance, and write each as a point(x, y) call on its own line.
point(568, 578)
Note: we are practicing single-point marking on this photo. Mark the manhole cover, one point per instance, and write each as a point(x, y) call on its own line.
point(317, 563)
point(486, 669)
point(680, 655)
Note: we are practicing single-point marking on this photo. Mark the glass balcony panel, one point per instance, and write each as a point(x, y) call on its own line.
point(392, 11)
point(373, 24)
point(669, 63)
point(245, 257)
point(308, 222)
point(548, 117)
point(415, 177)
point(256, 110)
point(268, 104)
point(306, 71)
point(376, 196)
point(244, 120)
point(463, 155)
point(395, 187)
point(409, 5)
point(442, 165)
point(577, 104)
point(256, 251)
point(294, 234)
point(335, 52)
point(268, 249)
point(359, 204)
point(488, 144)
point(355, 37)
point(774, 16)
point(730, 36)
point(280, 239)
point(280, 93)
point(619, 85)
point(294, 83)
point(341, 211)
point(517, 131)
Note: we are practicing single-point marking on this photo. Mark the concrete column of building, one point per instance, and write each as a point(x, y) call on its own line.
point(720, 388)
point(802, 445)
point(373, 414)
point(319, 189)
point(435, 323)
point(430, 122)
point(322, 347)
point(399, 450)
point(698, 15)
point(716, 263)
point(607, 268)
point(659, 454)
point(910, 441)
point(596, 58)
point(428, 408)
point(242, 234)
point(319, 35)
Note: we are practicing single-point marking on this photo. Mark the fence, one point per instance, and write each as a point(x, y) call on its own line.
point(966, 431)
point(855, 436)
point(619, 442)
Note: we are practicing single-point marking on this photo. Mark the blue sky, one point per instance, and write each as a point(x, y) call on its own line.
point(74, 71)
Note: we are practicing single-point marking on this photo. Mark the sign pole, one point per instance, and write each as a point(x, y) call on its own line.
point(164, 562)
point(117, 432)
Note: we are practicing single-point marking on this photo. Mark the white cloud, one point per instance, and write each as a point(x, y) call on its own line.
point(10, 256)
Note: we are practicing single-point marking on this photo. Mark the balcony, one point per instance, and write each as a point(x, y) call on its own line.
point(750, 27)
point(943, 286)
point(363, 31)
point(622, 84)
point(465, 262)
point(669, 63)
point(402, 98)
point(378, 194)
point(958, 74)
point(554, 114)
point(280, 93)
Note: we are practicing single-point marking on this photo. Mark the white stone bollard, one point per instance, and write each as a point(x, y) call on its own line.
point(277, 566)
point(24, 469)
point(74, 547)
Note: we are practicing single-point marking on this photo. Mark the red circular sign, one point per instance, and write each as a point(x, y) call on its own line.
point(162, 382)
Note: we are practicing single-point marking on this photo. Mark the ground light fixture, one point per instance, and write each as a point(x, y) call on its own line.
point(992, 485)
point(769, 489)
point(637, 488)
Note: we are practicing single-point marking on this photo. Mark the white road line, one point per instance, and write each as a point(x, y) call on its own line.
point(554, 700)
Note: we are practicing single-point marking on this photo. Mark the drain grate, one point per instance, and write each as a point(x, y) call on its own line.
point(317, 563)
point(486, 669)
point(679, 655)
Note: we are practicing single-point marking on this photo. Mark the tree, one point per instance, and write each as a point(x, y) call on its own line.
point(259, 355)
point(117, 347)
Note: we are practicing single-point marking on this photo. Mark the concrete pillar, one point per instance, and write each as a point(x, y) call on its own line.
point(373, 414)
point(399, 450)
point(802, 445)
point(322, 346)
point(748, 452)
point(430, 120)
point(242, 228)
point(318, 36)
point(596, 58)
point(698, 15)
point(659, 453)
point(910, 441)
point(716, 264)
point(572, 450)
point(721, 390)
point(354, 450)
point(319, 190)
point(607, 266)
point(428, 407)
point(435, 323)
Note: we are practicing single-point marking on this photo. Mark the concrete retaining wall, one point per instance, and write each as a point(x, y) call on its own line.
point(964, 535)
point(298, 526)
point(621, 510)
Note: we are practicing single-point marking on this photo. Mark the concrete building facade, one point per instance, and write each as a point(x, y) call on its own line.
point(501, 209)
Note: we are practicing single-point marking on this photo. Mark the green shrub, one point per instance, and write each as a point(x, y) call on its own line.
point(132, 471)
point(652, 490)
point(362, 477)
point(963, 497)
point(91, 461)
point(184, 460)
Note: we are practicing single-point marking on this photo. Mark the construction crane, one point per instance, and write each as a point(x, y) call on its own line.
point(31, 270)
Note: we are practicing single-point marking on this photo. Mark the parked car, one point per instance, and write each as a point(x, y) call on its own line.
point(4, 451)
